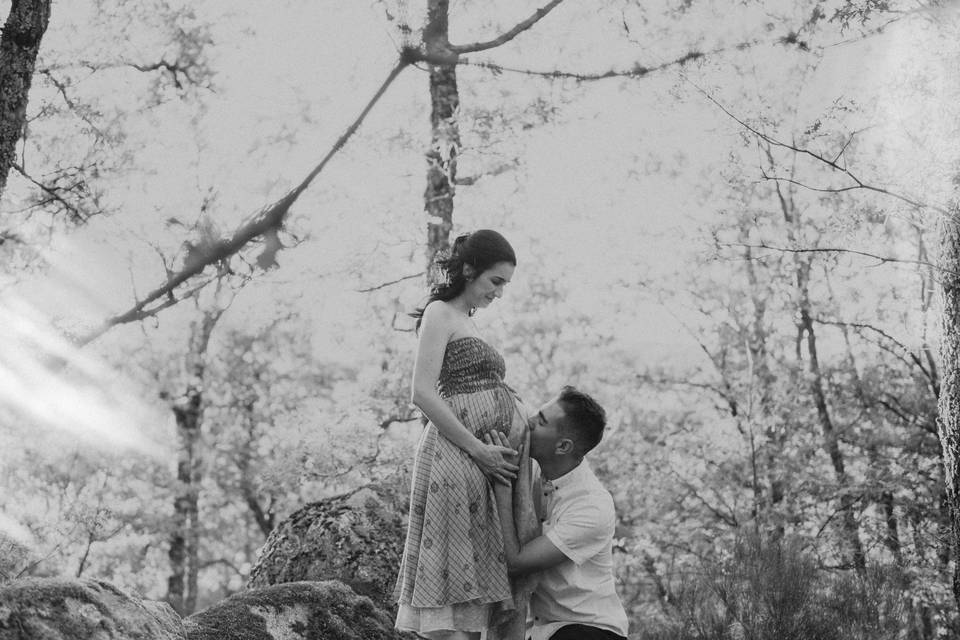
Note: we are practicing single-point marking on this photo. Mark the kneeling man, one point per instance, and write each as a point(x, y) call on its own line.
point(576, 598)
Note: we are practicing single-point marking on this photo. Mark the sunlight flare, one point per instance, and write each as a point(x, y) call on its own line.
point(45, 381)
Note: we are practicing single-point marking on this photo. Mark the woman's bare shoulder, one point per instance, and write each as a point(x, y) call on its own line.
point(439, 311)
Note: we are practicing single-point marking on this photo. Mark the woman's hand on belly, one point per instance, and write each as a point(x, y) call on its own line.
point(494, 460)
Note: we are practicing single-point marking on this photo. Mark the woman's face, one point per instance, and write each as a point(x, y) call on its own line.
point(488, 286)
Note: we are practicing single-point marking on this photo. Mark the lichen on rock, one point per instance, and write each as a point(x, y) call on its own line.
point(356, 539)
point(64, 609)
point(326, 610)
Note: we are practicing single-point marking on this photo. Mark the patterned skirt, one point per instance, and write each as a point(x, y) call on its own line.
point(453, 575)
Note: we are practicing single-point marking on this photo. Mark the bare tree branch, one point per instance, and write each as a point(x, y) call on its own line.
point(74, 108)
point(8, 236)
point(638, 71)
point(914, 358)
point(224, 561)
point(833, 164)
point(725, 394)
point(54, 193)
point(173, 68)
point(730, 519)
point(509, 35)
point(880, 259)
point(267, 220)
point(466, 181)
point(141, 313)
point(392, 282)
point(840, 509)
point(791, 39)
point(365, 460)
point(389, 420)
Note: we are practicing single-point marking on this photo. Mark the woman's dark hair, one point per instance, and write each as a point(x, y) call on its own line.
point(481, 250)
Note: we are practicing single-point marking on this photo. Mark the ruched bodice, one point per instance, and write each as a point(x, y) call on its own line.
point(470, 365)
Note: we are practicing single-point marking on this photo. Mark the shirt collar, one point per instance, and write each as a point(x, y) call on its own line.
point(572, 478)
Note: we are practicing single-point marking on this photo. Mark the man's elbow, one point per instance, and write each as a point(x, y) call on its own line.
point(515, 567)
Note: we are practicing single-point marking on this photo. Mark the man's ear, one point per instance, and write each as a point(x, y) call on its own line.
point(564, 446)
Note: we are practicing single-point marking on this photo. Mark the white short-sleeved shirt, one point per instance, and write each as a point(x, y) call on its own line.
point(580, 521)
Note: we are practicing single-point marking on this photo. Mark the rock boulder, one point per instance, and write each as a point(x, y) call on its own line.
point(293, 611)
point(63, 609)
point(356, 539)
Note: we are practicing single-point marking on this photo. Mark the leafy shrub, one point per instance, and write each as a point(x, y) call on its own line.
point(774, 590)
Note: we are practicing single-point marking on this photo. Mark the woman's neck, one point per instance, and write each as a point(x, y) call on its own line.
point(461, 305)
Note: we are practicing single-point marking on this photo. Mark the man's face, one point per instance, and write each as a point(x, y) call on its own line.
point(545, 429)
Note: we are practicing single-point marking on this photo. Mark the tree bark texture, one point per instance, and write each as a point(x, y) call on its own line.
point(928, 290)
point(948, 420)
point(185, 539)
point(19, 47)
point(444, 134)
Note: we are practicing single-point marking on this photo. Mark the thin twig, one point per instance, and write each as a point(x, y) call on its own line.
point(75, 213)
point(391, 283)
point(881, 259)
point(832, 164)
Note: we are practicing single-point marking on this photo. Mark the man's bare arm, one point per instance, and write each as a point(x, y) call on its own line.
point(537, 554)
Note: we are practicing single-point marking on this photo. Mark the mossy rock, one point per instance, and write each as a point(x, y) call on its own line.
point(61, 609)
point(356, 539)
point(327, 610)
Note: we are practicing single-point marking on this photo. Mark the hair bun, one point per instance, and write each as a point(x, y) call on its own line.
point(458, 243)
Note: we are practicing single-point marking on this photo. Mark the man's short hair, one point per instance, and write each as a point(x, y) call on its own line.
point(584, 419)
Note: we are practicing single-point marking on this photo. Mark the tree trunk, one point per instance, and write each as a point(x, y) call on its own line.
point(185, 539)
point(444, 134)
point(928, 289)
point(762, 380)
point(19, 46)
point(264, 517)
point(831, 443)
point(948, 419)
point(884, 497)
point(805, 328)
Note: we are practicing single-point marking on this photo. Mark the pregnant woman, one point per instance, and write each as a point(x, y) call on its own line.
point(453, 580)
